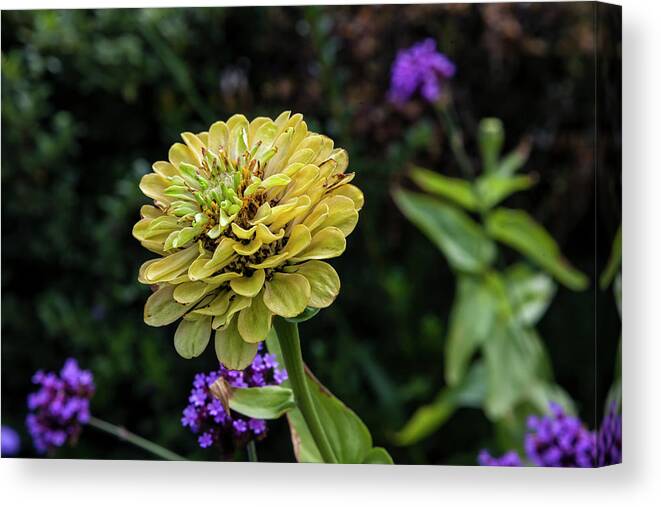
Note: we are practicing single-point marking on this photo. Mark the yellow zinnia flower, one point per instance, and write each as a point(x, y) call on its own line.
point(243, 215)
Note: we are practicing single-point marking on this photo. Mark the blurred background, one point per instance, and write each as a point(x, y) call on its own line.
point(91, 98)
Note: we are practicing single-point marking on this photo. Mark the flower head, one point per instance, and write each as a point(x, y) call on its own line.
point(419, 68)
point(60, 407)
point(559, 440)
point(609, 439)
point(206, 416)
point(10, 442)
point(509, 459)
point(243, 216)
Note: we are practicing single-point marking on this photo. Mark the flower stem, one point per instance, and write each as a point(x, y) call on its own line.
point(290, 345)
point(252, 452)
point(127, 436)
point(455, 137)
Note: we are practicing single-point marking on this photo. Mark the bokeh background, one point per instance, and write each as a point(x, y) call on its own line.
point(91, 98)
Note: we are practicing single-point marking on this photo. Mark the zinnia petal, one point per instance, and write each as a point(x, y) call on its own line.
point(286, 294)
point(325, 244)
point(255, 320)
point(323, 279)
point(192, 336)
point(232, 350)
point(249, 286)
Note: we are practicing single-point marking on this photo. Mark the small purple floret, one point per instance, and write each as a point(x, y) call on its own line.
point(609, 438)
point(509, 459)
point(206, 416)
point(559, 440)
point(60, 407)
point(420, 68)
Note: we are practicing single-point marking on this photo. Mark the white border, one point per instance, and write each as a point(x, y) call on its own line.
point(637, 482)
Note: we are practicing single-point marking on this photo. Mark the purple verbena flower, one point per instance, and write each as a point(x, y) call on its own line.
point(509, 459)
point(609, 438)
point(60, 406)
point(10, 442)
point(420, 68)
point(559, 440)
point(206, 416)
point(205, 440)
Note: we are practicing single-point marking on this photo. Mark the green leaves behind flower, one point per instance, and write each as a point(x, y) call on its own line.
point(461, 240)
point(457, 190)
point(470, 392)
point(349, 437)
point(492, 317)
point(491, 137)
point(519, 230)
point(471, 321)
point(481, 195)
point(493, 356)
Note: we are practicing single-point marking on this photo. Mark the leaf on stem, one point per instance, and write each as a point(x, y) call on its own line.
point(348, 436)
point(457, 190)
point(520, 231)
point(429, 418)
point(268, 402)
point(461, 240)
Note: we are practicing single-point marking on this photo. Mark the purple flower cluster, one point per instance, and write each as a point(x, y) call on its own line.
point(60, 407)
point(560, 440)
point(419, 68)
point(609, 439)
point(509, 459)
point(206, 416)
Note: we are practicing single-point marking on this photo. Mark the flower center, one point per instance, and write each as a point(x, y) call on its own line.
point(217, 191)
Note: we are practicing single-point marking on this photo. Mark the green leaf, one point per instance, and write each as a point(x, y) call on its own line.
point(530, 292)
point(614, 261)
point(428, 418)
point(306, 314)
point(473, 312)
point(455, 189)
point(461, 240)
point(519, 230)
point(513, 356)
point(542, 394)
point(491, 136)
point(493, 188)
point(349, 437)
point(377, 456)
point(268, 402)
point(514, 160)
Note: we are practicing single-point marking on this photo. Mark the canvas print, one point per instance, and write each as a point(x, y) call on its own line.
point(322, 234)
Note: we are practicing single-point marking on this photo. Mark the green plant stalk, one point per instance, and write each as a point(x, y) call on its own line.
point(252, 452)
point(290, 345)
point(127, 436)
point(455, 136)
